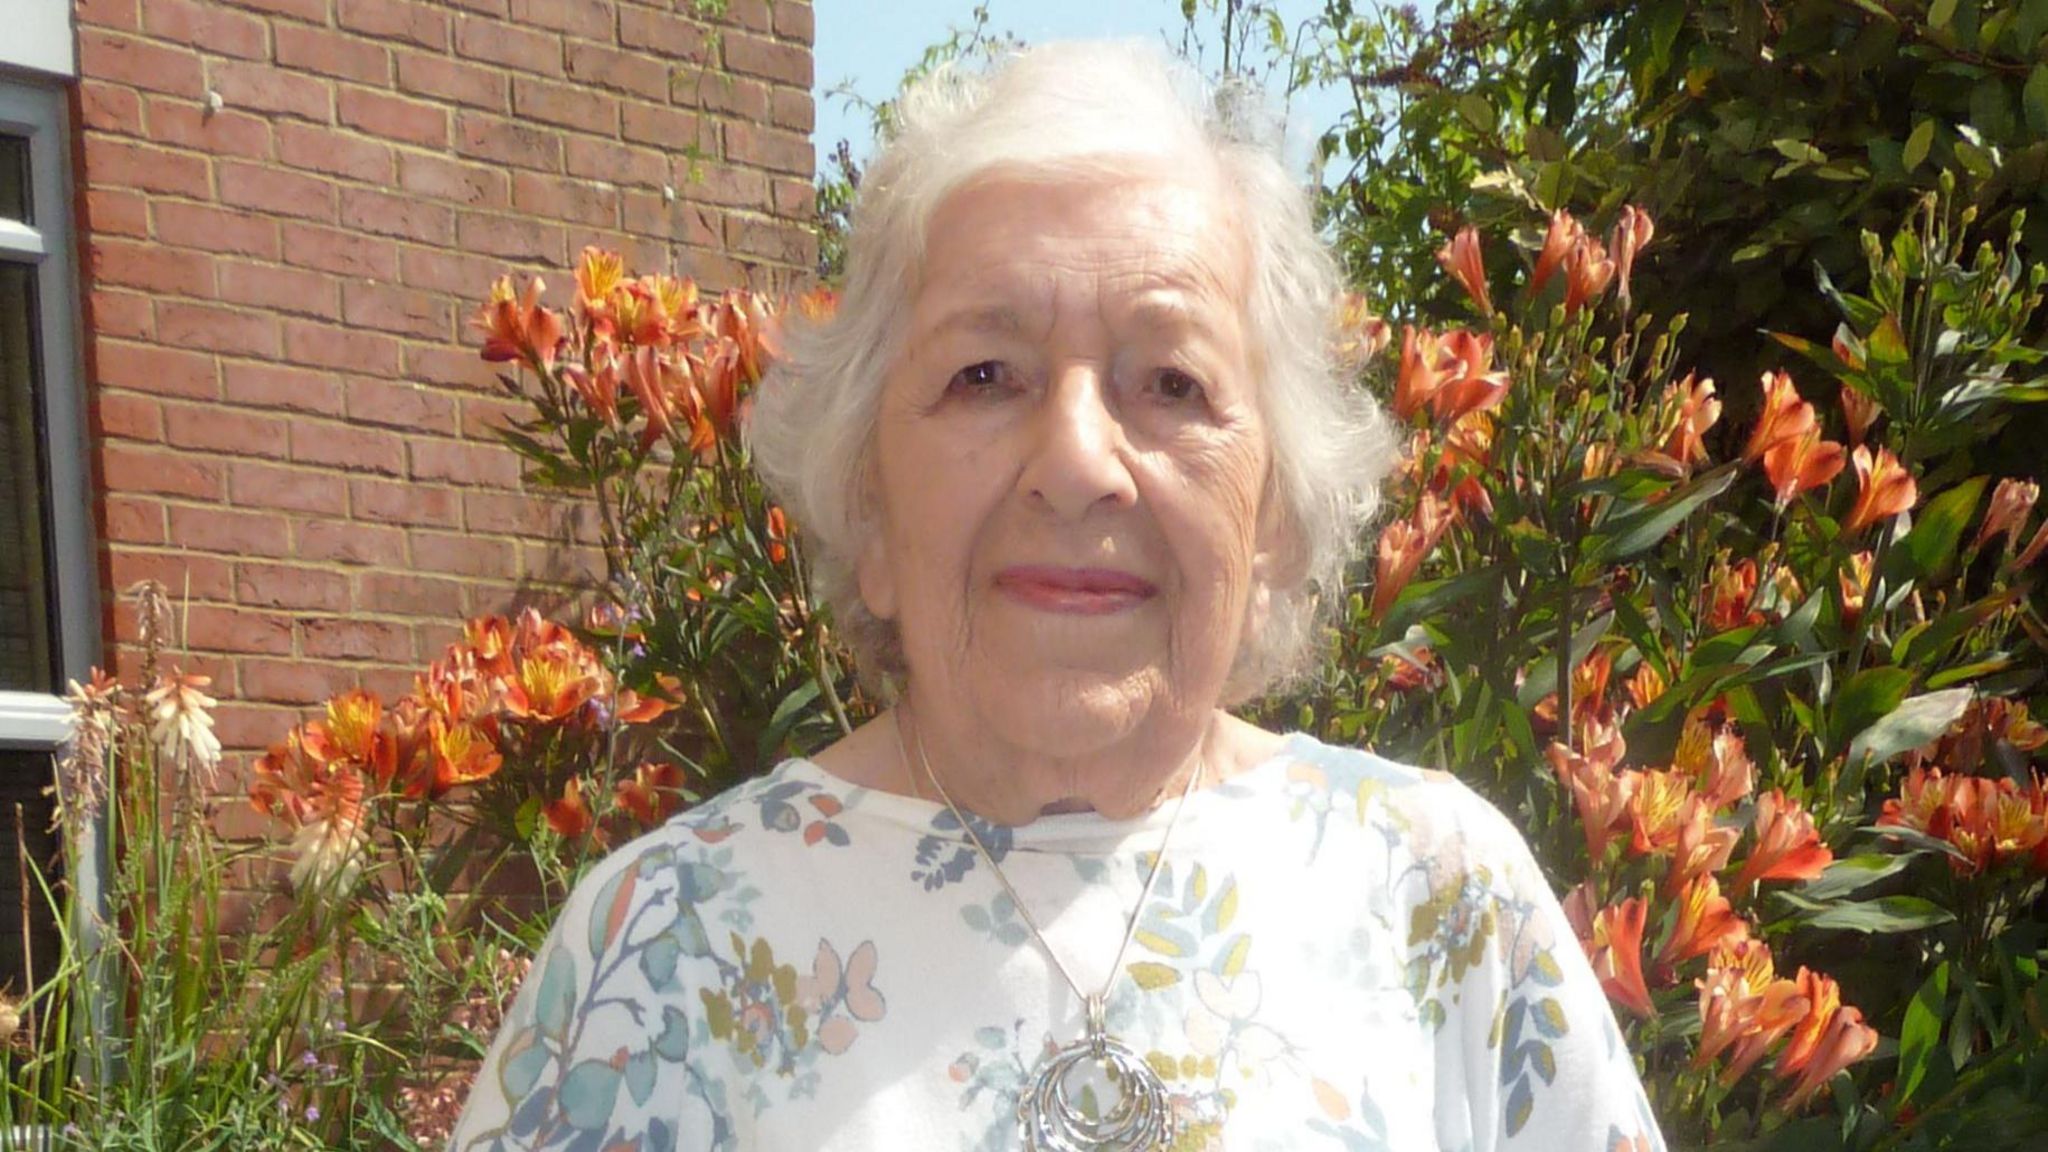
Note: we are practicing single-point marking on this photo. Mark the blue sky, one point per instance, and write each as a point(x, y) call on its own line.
point(870, 43)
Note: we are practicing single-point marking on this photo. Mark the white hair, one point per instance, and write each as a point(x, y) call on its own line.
point(1059, 109)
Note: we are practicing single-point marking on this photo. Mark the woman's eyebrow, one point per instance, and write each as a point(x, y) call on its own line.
point(978, 319)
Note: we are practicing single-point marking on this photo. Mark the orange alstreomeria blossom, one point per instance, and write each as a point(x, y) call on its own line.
point(1600, 788)
point(1784, 417)
point(1989, 822)
point(2011, 503)
point(1745, 1007)
point(1361, 334)
point(1403, 546)
point(1587, 271)
point(1463, 260)
point(1451, 375)
point(1801, 463)
point(1690, 410)
point(1854, 580)
point(1717, 760)
point(1731, 594)
point(1787, 847)
point(517, 328)
point(1563, 236)
point(1631, 234)
point(1615, 946)
point(1829, 1038)
point(1705, 921)
point(1885, 488)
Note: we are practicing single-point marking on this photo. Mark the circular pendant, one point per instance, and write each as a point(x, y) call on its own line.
point(1131, 1110)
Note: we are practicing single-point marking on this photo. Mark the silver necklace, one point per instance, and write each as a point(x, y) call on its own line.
point(1142, 1119)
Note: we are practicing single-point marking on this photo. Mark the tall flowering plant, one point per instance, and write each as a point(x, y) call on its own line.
point(1758, 687)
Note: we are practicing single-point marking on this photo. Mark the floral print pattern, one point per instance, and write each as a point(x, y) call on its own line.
point(1342, 953)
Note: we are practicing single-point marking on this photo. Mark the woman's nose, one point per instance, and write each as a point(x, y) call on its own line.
point(1078, 450)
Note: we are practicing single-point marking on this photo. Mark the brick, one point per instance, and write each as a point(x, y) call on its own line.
point(556, 198)
point(356, 639)
point(214, 628)
point(471, 84)
point(222, 231)
point(118, 14)
point(224, 133)
point(276, 191)
point(458, 462)
point(292, 681)
point(142, 64)
point(127, 520)
point(324, 149)
point(158, 371)
point(314, 10)
point(347, 448)
point(465, 276)
point(555, 564)
point(207, 27)
point(127, 468)
point(649, 215)
point(795, 21)
point(151, 267)
point(510, 46)
point(410, 595)
point(475, 185)
point(725, 185)
point(280, 387)
point(185, 324)
point(109, 212)
point(502, 9)
point(399, 311)
point(665, 128)
point(736, 96)
point(605, 67)
point(507, 142)
point(795, 199)
point(126, 416)
point(285, 586)
point(350, 542)
point(123, 315)
point(404, 405)
point(483, 417)
point(106, 107)
point(230, 531)
point(512, 237)
point(205, 577)
point(393, 117)
point(459, 368)
point(406, 20)
point(392, 502)
point(462, 554)
point(367, 210)
point(287, 489)
point(566, 105)
point(590, 19)
point(667, 35)
point(325, 346)
point(512, 515)
point(111, 163)
point(331, 53)
point(288, 291)
point(256, 87)
point(343, 253)
point(769, 148)
point(751, 55)
point(224, 431)
point(793, 109)
point(615, 163)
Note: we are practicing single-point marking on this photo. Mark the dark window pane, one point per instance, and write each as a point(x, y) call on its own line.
point(25, 657)
point(14, 203)
point(23, 777)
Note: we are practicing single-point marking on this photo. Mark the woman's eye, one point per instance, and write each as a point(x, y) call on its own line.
point(1174, 384)
point(988, 375)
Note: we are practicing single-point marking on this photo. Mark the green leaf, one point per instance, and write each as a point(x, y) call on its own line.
point(1867, 696)
point(1917, 145)
point(1541, 680)
point(1912, 724)
point(1638, 529)
point(1920, 1035)
point(1932, 543)
point(1853, 874)
point(2034, 101)
point(1422, 600)
point(1799, 151)
point(1883, 915)
point(1941, 13)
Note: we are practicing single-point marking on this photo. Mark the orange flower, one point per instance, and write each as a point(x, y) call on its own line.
point(1885, 488)
point(2011, 503)
point(1844, 1041)
point(1778, 1005)
point(1616, 951)
point(598, 390)
point(352, 731)
point(1420, 373)
point(1601, 793)
point(1462, 259)
point(1472, 386)
point(1361, 335)
point(553, 685)
point(1705, 922)
point(1696, 411)
point(1587, 271)
point(1854, 579)
point(1717, 760)
point(677, 299)
point(2034, 548)
point(1558, 243)
point(647, 376)
point(1731, 592)
point(1646, 685)
point(1732, 994)
point(1658, 811)
point(1631, 234)
point(458, 754)
point(1702, 845)
point(1801, 463)
point(1787, 847)
point(778, 535)
point(1823, 999)
point(1403, 546)
point(519, 329)
point(322, 800)
point(653, 794)
point(1859, 412)
point(637, 709)
point(1403, 674)
point(1461, 470)
point(598, 273)
point(569, 816)
point(1784, 417)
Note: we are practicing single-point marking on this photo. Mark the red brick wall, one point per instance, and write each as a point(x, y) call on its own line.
point(293, 430)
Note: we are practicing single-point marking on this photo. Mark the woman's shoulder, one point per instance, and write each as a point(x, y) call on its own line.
point(1435, 815)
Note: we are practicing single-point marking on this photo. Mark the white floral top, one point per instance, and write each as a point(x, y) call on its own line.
point(1340, 953)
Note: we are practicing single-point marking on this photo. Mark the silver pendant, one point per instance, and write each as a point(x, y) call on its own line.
point(1140, 1120)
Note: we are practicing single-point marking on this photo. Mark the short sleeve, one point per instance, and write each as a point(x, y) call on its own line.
point(1529, 1055)
point(594, 1052)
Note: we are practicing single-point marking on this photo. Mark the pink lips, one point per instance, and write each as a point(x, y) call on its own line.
point(1081, 591)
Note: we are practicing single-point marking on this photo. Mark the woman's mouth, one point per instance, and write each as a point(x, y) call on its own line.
point(1078, 591)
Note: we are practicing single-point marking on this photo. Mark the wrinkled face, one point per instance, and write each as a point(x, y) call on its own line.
point(1070, 463)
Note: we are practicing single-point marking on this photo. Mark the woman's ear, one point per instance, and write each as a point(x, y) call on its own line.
point(874, 577)
point(1279, 554)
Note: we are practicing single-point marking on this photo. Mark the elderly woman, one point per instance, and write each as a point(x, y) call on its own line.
point(1073, 464)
